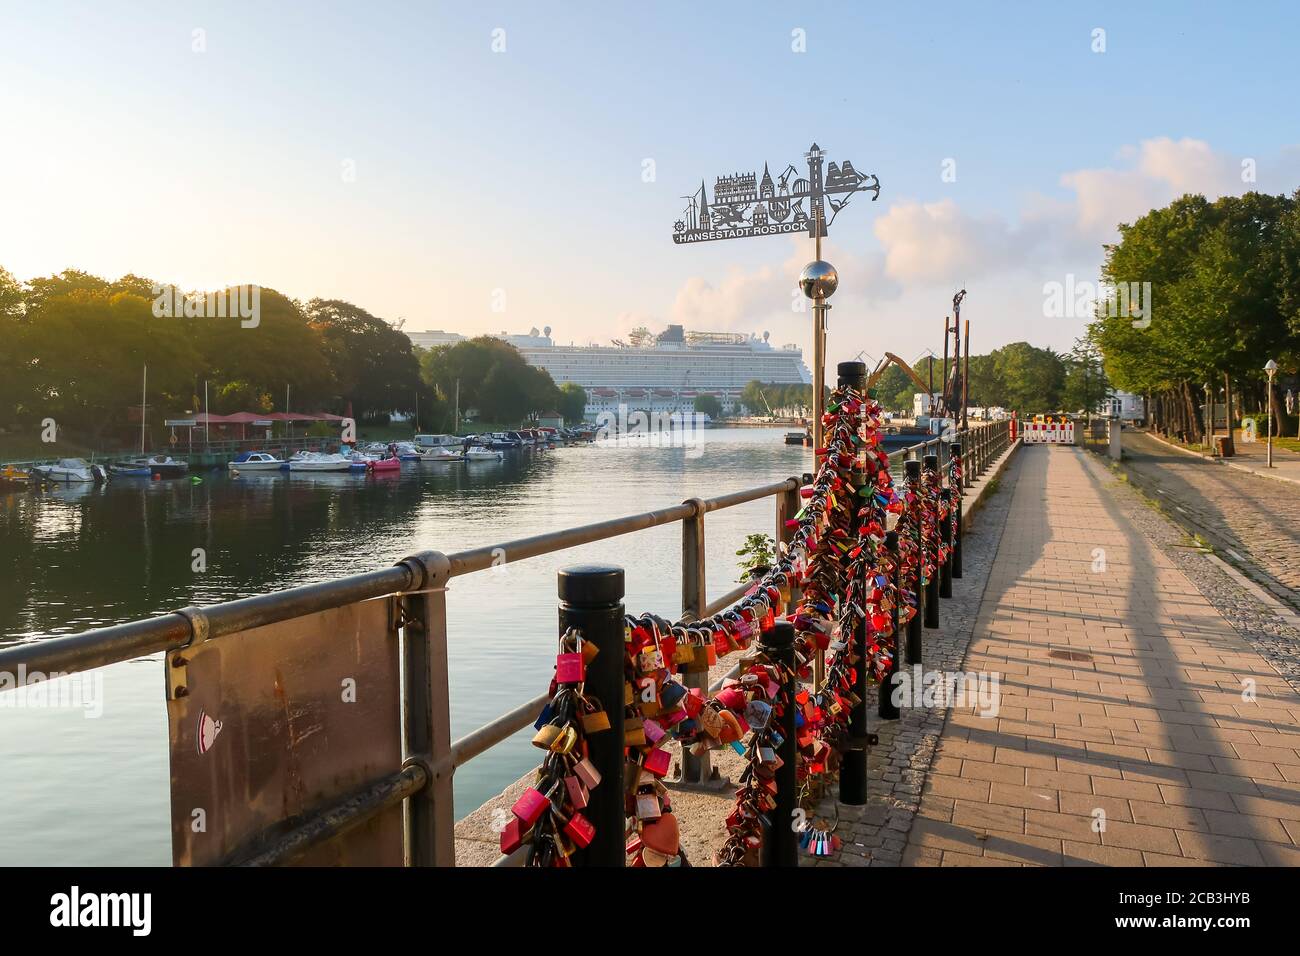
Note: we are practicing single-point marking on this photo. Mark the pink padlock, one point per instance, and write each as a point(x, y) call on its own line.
point(653, 732)
point(570, 669)
point(531, 805)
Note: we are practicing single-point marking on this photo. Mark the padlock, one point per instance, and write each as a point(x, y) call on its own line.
point(634, 732)
point(530, 805)
point(658, 761)
point(567, 740)
point(512, 836)
point(647, 806)
point(547, 736)
point(580, 830)
point(586, 771)
point(594, 720)
point(653, 731)
point(577, 791)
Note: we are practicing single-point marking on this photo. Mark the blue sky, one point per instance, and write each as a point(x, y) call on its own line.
point(385, 154)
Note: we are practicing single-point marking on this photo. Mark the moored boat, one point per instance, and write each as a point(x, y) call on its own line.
point(71, 470)
point(482, 454)
point(256, 461)
point(318, 461)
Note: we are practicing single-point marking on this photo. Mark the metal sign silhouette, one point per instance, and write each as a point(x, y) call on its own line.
point(745, 205)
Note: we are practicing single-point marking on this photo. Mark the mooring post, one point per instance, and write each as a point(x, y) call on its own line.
point(888, 710)
point(945, 537)
point(912, 470)
point(853, 762)
point(591, 601)
point(956, 456)
point(780, 842)
point(931, 464)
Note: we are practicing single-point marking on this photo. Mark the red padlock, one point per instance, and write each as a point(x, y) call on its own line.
point(580, 830)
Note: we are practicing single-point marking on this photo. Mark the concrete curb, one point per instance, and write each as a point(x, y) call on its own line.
point(1220, 461)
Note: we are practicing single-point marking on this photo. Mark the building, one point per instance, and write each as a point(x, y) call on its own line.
point(434, 338)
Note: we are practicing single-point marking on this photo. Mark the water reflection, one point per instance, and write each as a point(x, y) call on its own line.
point(81, 557)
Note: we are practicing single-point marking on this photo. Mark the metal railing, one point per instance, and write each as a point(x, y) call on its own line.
point(417, 584)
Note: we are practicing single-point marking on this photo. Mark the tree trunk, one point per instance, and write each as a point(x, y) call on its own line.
point(1278, 410)
point(1194, 430)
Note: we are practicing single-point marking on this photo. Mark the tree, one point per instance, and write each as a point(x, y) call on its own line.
point(573, 403)
point(372, 363)
point(1085, 378)
point(493, 377)
point(708, 405)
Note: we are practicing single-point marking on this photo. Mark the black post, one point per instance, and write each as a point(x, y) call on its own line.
point(591, 601)
point(957, 492)
point(780, 843)
point(853, 763)
point(887, 709)
point(945, 537)
point(931, 464)
point(912, 469)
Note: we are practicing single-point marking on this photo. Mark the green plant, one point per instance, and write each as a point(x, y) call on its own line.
point(758, 551)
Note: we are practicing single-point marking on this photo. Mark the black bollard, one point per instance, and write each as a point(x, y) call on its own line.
point(780, 842)
point(887, 709)
point(591, 601)
point(853, 762)
point(912, 469)
point(957, 493)
point(945, 536)
point(931, 464)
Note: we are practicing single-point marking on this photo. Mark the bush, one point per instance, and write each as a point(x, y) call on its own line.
point(1285, 425)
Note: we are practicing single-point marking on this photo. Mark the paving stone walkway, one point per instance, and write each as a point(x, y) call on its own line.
point(1136, 726)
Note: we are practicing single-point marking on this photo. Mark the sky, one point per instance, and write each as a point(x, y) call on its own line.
point(484, 167)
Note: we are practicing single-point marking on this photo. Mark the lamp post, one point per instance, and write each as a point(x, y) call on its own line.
point(1271, 368)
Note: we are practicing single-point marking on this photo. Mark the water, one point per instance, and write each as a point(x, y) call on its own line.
point(78, 791)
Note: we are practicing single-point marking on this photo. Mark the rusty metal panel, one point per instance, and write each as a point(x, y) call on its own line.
point(278, 721)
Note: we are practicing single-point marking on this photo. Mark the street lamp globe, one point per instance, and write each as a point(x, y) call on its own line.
point(819, 280)
point(1270, 367)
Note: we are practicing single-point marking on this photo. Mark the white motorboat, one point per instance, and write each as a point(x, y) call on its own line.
point(482, 454)
point(443, 453)
point(71, 470)
point(316, 461)
point(257, 461)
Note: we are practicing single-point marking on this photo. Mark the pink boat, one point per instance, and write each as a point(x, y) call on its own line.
point(384, 464)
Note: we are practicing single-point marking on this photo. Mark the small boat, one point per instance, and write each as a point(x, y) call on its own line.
point(483, 454)
point(158, 466)
point(500, 441)
point(256, 461)
point(13, 476)
point(71, 470)
point(796, 438)
point(316, 461)
point(444, 453)
point(385, 464)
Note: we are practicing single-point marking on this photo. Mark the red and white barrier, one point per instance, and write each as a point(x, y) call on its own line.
point(1047, 433)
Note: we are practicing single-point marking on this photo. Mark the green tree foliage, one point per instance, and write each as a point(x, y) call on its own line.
point(73, 346)
point(572, 405)
point(1086, 383)
point(1225, 294)
point(494, 378)
point(372, 364)
point(708, 405)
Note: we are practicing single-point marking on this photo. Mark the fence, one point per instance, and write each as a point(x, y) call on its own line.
point(368, 780)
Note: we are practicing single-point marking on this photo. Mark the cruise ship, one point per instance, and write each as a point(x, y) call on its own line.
point(666, 372)
point(658, 373)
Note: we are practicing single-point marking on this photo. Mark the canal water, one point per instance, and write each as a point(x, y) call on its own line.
point(79, 790)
